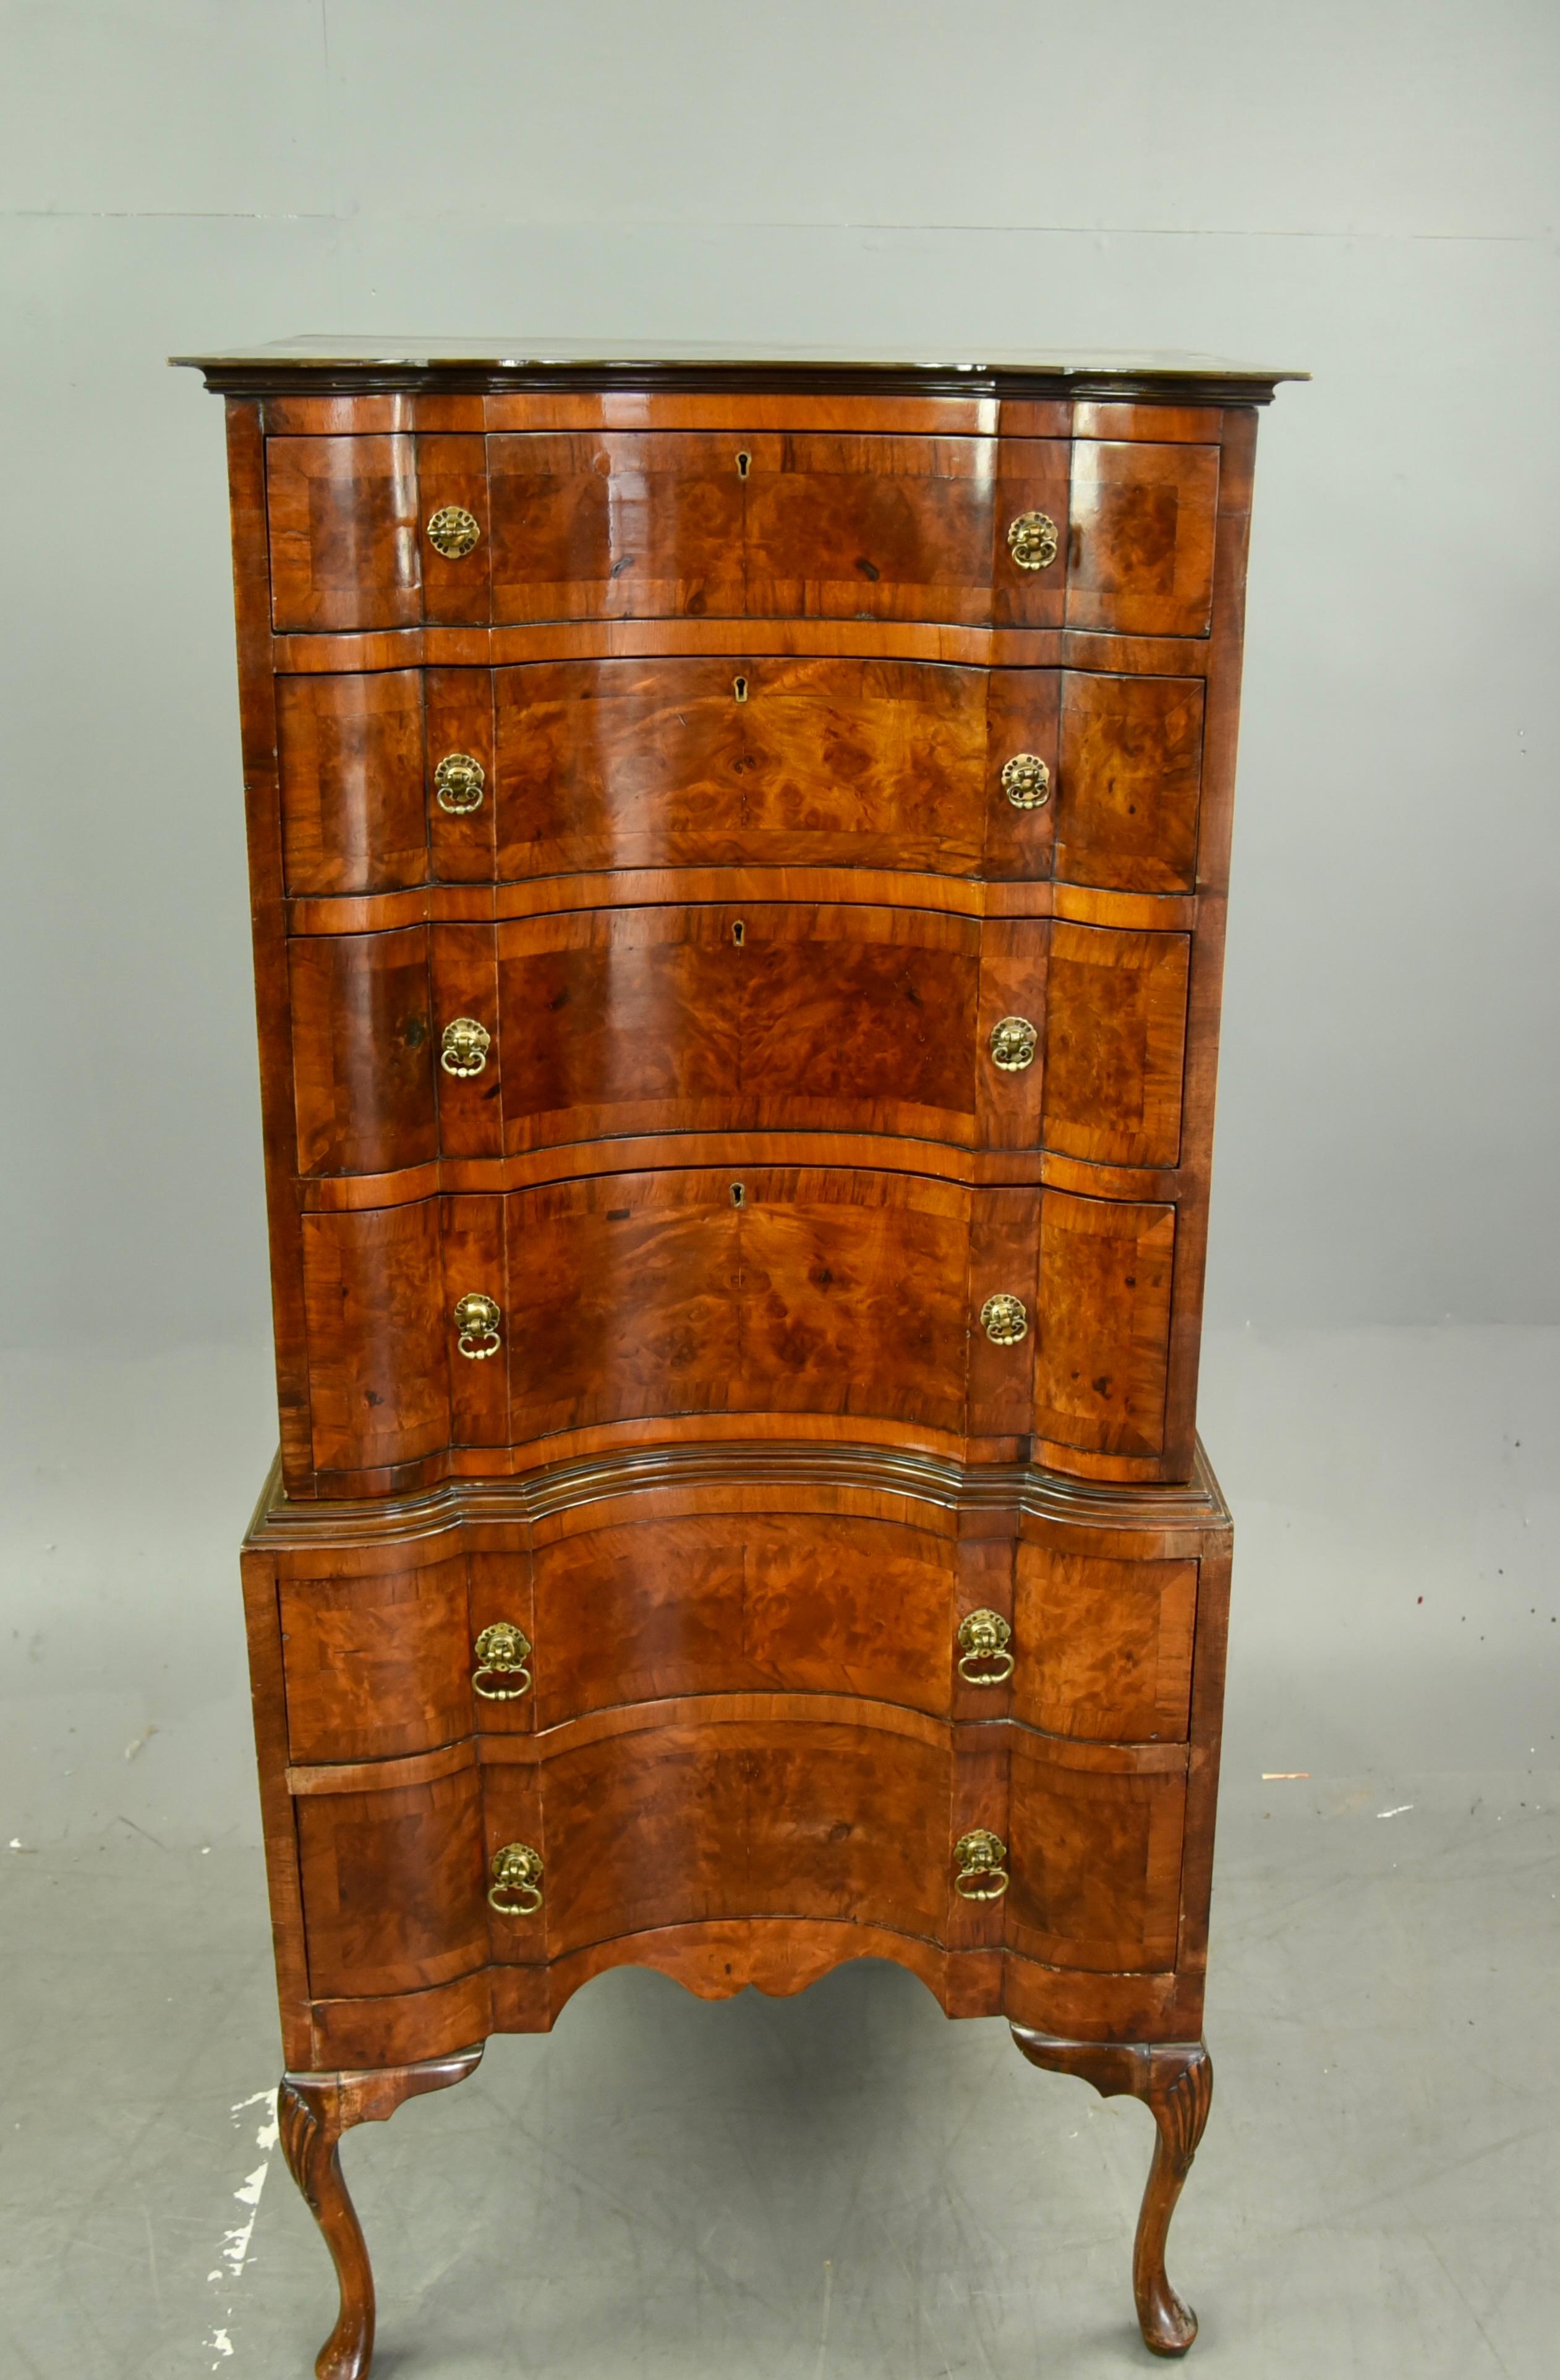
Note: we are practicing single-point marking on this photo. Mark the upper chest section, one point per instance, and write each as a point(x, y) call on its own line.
point(389, 512)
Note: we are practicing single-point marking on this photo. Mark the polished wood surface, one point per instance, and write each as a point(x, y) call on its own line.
point(312, 2112)
point(782, 1290)
point(742, 1703)
point(728, 918)
point(1175, 2081)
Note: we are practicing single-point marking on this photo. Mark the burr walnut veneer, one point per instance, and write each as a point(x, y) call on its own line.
point(739, 859)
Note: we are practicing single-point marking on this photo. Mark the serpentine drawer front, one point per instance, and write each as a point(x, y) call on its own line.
point(464, 775)
point(739, 856)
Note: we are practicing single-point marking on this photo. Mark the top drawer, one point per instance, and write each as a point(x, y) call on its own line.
point(461, 530)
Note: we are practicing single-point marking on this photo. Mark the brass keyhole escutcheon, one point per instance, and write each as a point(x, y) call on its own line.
point(739, 688)
point(1013, 1042)
point(453, 531)
point(980, 1858)
point(744, 463)
point(464, 1046)
point(1034, 541)
point(1003, 1319)
point(1026, 780)
point(502, 1651)
point(515, 1889)
point(737, 1193)
point(738, 934)
point(476, 1321)
point(458, 783)
point(983, 1656)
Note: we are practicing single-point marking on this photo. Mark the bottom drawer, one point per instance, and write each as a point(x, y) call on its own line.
point(650, 1817)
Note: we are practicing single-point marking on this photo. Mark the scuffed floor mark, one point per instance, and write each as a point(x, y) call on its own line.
point(237, 2241)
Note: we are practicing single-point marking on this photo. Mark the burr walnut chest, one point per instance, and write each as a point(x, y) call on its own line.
point(739, 854)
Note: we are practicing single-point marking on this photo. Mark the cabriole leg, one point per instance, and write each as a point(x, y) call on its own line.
point(1175, 2080)
point(314, 2110)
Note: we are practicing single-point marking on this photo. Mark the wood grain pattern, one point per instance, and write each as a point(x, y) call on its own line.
point(378, 1365)
point(1096, 1861)
point(1126, 800)
point(824, 1292)
point(1105, 1645)
point(363, 1052)
point(711, 1604)
point(836, 1558)
point(1143, 518)
point(1104, 1359)
point(377, 1664)
point(394, 1886)
point(1115, 1029)
point(342, 529)
point(353, 813)
point(660, 763)
point(738, 1019)
point(1175, 2080)
point(312, 2112)
point(678, 1825)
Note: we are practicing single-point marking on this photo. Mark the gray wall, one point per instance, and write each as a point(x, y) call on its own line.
point(1365, 189)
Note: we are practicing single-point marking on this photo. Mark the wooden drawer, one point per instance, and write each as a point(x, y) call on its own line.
point(646, 1296)
point(736, 1017)
point(380, 1656)
point(699, 524)
point(649, 1818)
point(738, 759)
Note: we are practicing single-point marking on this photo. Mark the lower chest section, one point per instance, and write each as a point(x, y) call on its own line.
point(640, 1730)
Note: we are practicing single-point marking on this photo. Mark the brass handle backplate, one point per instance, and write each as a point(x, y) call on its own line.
point(983, 1638)
point(457, 782)
point(981, 1860)
point(464, 1046)
point(476, 1320)
point(517, 1876)
point(1013, 1042)
point(1026, 780)
point(1034, 541)
point(1003, 1319)
point(502, 1651)
point(453, 531)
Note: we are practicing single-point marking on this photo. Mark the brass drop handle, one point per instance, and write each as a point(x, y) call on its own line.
point(458, 783)
point(980, 1858)
point(476, 1320)
point(464, 1046)
point(1003, 1319)
point(1013, 1043)
point(517, 1877)
point(1026, 780)
point(453, 531)
point(1034, 541)
point(501, 1651)
point(983, 1638)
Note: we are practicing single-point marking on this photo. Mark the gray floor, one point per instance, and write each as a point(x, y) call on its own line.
point(843, 2184)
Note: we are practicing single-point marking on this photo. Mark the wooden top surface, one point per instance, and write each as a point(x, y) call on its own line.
point(334, 362)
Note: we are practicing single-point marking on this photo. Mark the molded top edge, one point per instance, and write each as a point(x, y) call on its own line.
point(279, 1521)
point(332, 363)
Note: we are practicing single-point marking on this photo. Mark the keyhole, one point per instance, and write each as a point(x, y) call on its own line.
point(744, 465)
point(738, 934)
point(737, 1193)
point(739, 688)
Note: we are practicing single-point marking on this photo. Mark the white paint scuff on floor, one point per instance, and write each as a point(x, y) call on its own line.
point(236, 2243)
